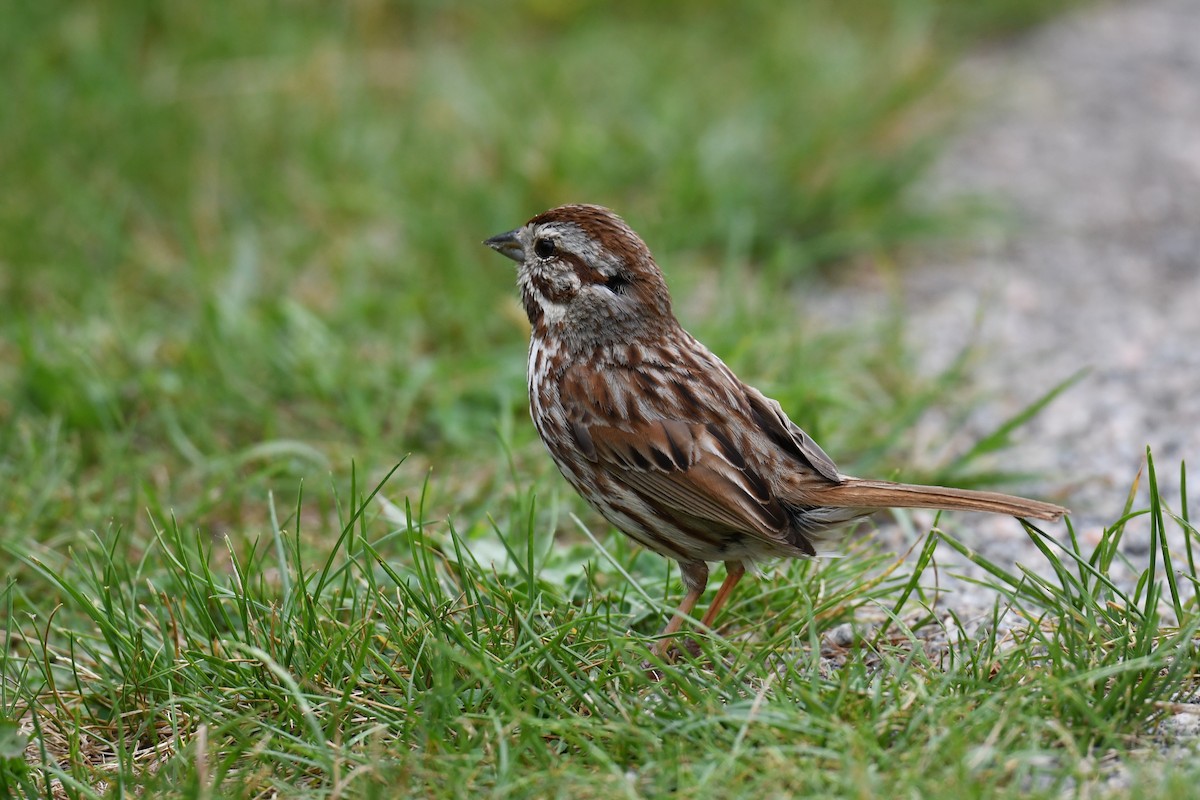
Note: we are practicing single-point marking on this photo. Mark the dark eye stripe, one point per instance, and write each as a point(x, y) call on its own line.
point(617, 284)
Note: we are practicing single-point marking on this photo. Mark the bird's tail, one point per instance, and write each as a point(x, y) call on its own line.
point(860, 493)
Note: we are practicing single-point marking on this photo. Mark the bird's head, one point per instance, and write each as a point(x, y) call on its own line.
point(585, 277)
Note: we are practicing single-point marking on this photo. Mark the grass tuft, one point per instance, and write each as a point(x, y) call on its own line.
point(399, 656)
point(276, 522)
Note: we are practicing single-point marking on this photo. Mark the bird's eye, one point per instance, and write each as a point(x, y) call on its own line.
point(617, 284)
point(544, 248)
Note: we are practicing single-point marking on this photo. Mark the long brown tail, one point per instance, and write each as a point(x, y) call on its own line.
point(860, 493)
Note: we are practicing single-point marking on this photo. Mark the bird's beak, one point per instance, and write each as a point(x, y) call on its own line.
point(507, 244)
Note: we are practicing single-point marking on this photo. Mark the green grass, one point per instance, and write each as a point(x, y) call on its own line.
point(401, 663)
point(241, 280)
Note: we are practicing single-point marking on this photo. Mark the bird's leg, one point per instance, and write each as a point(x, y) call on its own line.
point(734, 570)
point(685, 608)
point(695, 578)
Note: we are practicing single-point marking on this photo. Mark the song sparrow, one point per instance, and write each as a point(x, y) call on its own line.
point(659, 435)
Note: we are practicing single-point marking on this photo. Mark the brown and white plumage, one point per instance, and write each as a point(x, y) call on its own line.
point(659, 435)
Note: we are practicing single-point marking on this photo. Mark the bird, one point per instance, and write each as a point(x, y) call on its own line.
point(658, 435)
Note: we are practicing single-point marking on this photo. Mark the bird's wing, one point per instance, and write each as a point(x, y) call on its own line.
point(788, 435)
point(693, 461)
point(681, 469)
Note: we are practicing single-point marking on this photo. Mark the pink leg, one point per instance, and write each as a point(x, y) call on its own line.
point(734, 570)
point(695, 578)
point(685, 608)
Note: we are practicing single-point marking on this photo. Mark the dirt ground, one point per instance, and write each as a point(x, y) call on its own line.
point(1087, 133)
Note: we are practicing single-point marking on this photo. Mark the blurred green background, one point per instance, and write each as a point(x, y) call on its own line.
point(240, 242)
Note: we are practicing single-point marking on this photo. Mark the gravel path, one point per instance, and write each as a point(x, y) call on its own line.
point(1088, 131)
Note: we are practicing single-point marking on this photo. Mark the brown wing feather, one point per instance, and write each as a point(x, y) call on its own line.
point(675, 448)
point(789, 436)
point(669, 464)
